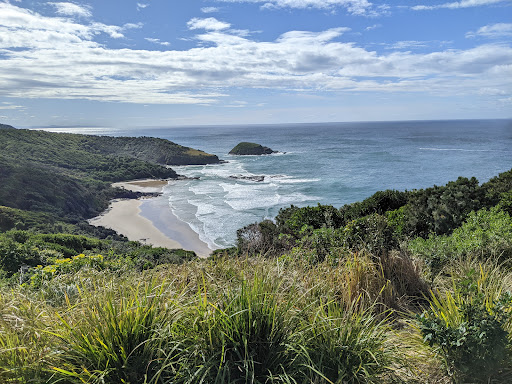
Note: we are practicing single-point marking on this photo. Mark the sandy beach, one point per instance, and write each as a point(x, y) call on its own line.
point(149, 220)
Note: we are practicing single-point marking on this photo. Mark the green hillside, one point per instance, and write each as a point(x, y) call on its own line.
point(68, 176)
point(402, 287)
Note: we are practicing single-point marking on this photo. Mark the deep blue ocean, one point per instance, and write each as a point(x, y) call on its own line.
point(328, 163)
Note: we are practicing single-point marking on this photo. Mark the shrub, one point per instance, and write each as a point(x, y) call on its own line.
point(372, 233)
point(380, 202)
point(483, 234)
point(440, 210)
point(73, 264)
point(323, 244)
point(468, 329)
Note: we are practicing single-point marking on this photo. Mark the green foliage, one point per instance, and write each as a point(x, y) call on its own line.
point(245, 335)
point(469, 330)
point(505, 203)
point(14, 255)
point(24, 346)
point(32, 188)
point(378, 223)
point(346, 346)
point(80, 152)
point(119, 339)
point(380, 203)
point(322, 244)
point(260, 238)
point(372, 233)
point(315, 217)
point(486, 233)
point(497, 187)
point(146, 256)
point(27, 249)
point(39, 275)
point(228, 321)
point(397, 221)
point(68, 176)
point(440, 210)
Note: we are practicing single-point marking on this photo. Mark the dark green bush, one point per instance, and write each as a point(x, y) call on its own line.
point(372, 233)
point(485, 233)
point(469, 331)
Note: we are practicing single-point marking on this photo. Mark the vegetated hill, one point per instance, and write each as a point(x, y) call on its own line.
point(68, 176)
point(30, 187)
point(73, 150)
point(5, 126)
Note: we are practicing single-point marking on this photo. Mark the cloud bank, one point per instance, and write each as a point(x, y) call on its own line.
point(58, 58)
point(459, 4)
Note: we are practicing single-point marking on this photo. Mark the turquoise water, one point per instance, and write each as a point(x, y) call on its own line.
point(332, 163)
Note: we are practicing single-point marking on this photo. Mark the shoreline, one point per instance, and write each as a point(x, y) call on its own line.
point(150, 220)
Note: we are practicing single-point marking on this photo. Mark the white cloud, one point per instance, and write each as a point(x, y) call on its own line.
point(408, 44)
point(458, 4)
point(356, 7)
point(209, 9)
point(142, 6)
point(56, 58)
point(372, 27)
point(493, 31)
point(133, 25)
point(11, 106)
point(71, 9)
point(157, 41)
point(209, 24)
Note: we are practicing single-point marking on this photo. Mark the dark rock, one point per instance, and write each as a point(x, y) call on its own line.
point(244, 149)
point(257, 179)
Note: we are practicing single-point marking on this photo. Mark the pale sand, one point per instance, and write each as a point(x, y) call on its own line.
point(145, 185)
point(150, 221)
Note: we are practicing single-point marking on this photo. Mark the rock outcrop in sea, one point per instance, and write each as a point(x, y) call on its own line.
point(245, 149)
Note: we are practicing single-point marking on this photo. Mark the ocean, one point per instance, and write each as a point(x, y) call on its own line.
point(327, 163)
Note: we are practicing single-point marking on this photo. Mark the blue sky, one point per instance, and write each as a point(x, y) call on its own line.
point(174, 63)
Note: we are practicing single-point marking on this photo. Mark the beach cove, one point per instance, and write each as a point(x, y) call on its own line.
point(149, 220)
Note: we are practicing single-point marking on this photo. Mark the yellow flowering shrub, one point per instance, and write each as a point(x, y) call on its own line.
point(71, 265)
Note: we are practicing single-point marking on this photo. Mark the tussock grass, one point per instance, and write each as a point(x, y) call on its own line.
point(230, 320)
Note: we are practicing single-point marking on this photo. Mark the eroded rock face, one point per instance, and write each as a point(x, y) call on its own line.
point(245, 149)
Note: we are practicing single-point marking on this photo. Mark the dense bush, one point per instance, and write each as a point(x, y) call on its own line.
point(440, 210)
point(380, 203)
point(469, 329)
point(372, 233)
point(26, 249)
point(486, 233)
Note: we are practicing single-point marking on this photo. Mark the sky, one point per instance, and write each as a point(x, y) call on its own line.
point(124, 63)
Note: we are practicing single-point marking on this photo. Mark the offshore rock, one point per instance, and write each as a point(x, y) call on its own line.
point(257, 179)
point(245, 149)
